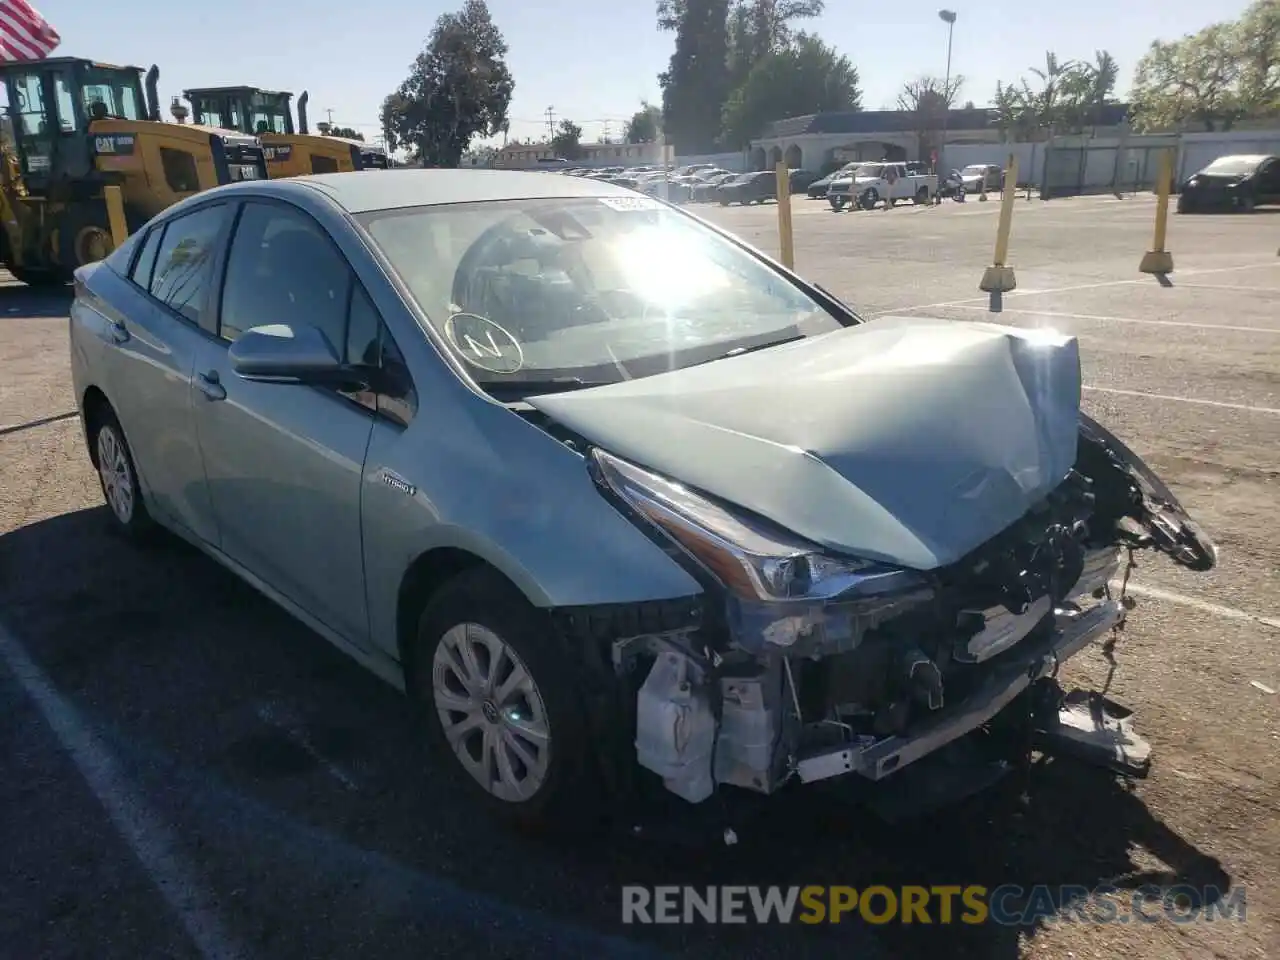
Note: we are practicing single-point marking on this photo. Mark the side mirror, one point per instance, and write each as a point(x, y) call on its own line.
point(290, 353)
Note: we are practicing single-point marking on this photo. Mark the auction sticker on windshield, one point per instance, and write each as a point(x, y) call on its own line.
point(630, 203)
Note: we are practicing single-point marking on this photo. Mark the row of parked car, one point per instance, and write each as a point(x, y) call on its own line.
point(699, 182)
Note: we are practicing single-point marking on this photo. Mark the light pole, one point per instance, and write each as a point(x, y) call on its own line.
point(949, 18)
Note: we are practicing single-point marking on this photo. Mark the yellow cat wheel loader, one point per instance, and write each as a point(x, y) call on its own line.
point(290, 151)
point(77, 126)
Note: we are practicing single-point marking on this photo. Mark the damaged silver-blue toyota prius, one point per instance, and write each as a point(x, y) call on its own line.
point(619, 502)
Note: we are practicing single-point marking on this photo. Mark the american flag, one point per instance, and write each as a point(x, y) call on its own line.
point(24, 34)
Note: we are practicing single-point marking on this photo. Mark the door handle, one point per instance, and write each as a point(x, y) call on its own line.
point(211, 386)
point(118, 331)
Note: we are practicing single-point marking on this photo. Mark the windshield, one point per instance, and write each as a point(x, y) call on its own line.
point(112, 93)
point(1233, 166)
point(869, 170)
point(267, 113)
point(975, 169)
point(597, 289)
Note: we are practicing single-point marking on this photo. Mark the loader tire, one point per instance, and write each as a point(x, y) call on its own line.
point(84, 236)
point(33, 277)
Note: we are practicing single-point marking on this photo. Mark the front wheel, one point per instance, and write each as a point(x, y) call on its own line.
point(870, 197)
point(922, 196)
point(837, 203)
point(495, 694)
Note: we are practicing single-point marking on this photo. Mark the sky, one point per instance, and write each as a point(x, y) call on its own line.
point(589, 62)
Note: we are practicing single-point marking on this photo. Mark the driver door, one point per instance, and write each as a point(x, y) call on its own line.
point(284, 461)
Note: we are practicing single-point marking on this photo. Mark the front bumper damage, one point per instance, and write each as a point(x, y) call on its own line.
point(876, 759)
point(777, 716)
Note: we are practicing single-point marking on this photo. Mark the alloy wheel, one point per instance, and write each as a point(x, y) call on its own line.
point(491, 711)
point(117, 479)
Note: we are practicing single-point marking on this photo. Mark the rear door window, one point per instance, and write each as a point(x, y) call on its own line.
point(183, 272)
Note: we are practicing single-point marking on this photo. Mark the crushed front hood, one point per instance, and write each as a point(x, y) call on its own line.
point(906, 440)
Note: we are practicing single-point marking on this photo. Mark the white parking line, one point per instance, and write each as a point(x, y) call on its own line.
point(1165, 396)
point(1098, 285)
point(1094, 316)
point(1274, 291)
point(148, 837)
point(1207, 606)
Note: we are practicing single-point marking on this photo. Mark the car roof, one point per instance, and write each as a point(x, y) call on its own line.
point(367, 190)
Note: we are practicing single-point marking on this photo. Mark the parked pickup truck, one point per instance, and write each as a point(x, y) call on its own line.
point(882, 182)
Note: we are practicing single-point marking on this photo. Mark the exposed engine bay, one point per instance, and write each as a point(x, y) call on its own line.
point(771, 692)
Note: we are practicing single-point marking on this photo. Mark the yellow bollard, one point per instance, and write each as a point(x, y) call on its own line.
point(786, 240)
point(999, 278)
point(115, 215)
point(1158, 260)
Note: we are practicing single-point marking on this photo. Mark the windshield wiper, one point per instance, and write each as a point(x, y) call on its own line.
point(528, 388)
point(739, 351)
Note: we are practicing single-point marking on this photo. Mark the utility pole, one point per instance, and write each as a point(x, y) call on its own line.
point(550, 114)
point(949, 18)
point(329, 111)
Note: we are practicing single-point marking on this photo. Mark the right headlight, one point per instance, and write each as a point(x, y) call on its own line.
point(753, 559)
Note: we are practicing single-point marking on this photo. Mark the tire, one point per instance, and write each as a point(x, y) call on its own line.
point(724, 203)
point(869, 198)
point(837, 203)
point(118, 477)
point(1246, 205)
point(542, 780)
point(39, 279)
point(84, 236)
point(922, 196)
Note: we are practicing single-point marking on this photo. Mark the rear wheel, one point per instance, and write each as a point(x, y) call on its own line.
point(118, 476)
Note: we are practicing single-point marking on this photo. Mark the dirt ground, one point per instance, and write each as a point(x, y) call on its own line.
point(185, 771)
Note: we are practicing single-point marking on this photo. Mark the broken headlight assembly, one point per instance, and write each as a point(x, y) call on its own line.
point(781, 590)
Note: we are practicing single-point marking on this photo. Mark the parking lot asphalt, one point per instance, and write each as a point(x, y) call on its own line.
point(187, 772)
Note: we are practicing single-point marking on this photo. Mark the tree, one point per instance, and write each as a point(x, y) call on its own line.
point(1258, 46)
point(1194, 80)
point(806, 76)
point(1015, 113)
point(348, 132)
point(645, 125)
point(695, 84)
point(928, 99)
point(458, 87)
point(567, 142)
point(718, 43)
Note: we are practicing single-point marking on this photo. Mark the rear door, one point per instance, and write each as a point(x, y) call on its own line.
point(159, 334)
point(284, 461)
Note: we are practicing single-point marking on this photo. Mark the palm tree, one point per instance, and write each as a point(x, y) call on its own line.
point(1051, 78)
point(1105, 71)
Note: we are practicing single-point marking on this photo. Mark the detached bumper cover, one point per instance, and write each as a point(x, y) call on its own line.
point(876, 759)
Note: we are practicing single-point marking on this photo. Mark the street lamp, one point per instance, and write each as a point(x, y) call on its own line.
point(949, 18)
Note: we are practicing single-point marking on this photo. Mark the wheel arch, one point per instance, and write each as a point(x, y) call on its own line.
point(424, 578)
point(94, 406)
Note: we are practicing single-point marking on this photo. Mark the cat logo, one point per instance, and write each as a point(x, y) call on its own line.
point(114, 144)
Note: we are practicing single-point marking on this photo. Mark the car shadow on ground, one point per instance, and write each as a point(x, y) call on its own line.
point(172, 658)
point(17, 300)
